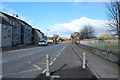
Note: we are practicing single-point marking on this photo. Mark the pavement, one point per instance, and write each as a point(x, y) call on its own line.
point(29, 63)
point(103, 67)
point(69, 65)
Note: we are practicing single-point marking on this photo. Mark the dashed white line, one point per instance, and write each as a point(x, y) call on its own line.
point(54, 59)
point(33, 52)
point(57, 55)
point(44, 71)
point(51, 63)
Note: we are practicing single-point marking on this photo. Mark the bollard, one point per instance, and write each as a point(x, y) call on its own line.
point(84, 61)
point(47, 66)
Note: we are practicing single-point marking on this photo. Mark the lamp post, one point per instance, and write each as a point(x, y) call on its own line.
point(47, 32)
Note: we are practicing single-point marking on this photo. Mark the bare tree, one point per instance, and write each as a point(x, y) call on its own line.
point(113, 15)
point(87, 32)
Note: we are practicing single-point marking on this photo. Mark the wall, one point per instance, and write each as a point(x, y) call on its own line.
point(0, 34)
point(107, 54)
point(37, 36)
point(26, 34)
point(6, 38)
point(16, 32)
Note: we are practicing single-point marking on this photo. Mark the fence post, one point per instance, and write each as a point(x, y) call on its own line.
point(47, 66)
point(84, 61)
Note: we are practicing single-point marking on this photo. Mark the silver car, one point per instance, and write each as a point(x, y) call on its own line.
point(42, 43)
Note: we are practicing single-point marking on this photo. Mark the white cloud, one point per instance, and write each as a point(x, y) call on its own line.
point(76, 25)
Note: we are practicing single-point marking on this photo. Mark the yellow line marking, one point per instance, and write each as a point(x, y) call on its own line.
point(21, 72)
point(37, 67)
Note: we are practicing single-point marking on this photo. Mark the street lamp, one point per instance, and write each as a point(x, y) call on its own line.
point(47, 32)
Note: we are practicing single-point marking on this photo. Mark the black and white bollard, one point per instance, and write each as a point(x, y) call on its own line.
point(47, 66)
point(84, 61)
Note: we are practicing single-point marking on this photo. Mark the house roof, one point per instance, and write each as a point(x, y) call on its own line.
point(38, 30)
point(75, 34)
point(24, 22)
point(10, 17)
point(14, 18)
point(50, 38)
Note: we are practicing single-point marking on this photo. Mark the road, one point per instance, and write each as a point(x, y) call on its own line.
point(27, 63)
point(30, 62)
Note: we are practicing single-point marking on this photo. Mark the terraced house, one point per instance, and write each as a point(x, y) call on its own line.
point(37, 35)
point(75, 37)
point(26, 32)
point(14, 31)
point(5, 32)
point(16, 28)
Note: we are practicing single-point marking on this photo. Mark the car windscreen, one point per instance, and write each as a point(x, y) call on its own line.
point(42, 41)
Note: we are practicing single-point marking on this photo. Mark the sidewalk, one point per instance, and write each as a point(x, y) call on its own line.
point(103, 67)
point(17, 47)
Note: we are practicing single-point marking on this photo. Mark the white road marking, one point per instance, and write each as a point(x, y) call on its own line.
point(93, 71)
point(51, 63)
point(55, 58)
point(44, 71)
point(33, 52)
point(57, 55)
point(3, 61)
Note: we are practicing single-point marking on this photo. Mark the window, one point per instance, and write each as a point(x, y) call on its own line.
point(4, 36)
point(9, 35)
point(13, 23)
point(9, 31)
point(10, 22)
point(5, 26)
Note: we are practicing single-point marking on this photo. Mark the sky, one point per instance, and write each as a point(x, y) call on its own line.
point(62, 18)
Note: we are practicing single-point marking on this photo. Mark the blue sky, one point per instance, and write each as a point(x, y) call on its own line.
point(61, 18)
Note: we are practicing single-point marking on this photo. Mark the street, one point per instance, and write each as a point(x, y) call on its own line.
point(27, 63)
point(30, 63)
point(59, 40)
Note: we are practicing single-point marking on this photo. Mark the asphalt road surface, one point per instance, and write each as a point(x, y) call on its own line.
point(27, 63)
point(30, 62)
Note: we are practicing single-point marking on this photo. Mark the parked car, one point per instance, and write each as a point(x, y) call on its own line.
point(42, 43)
point(56, 42)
